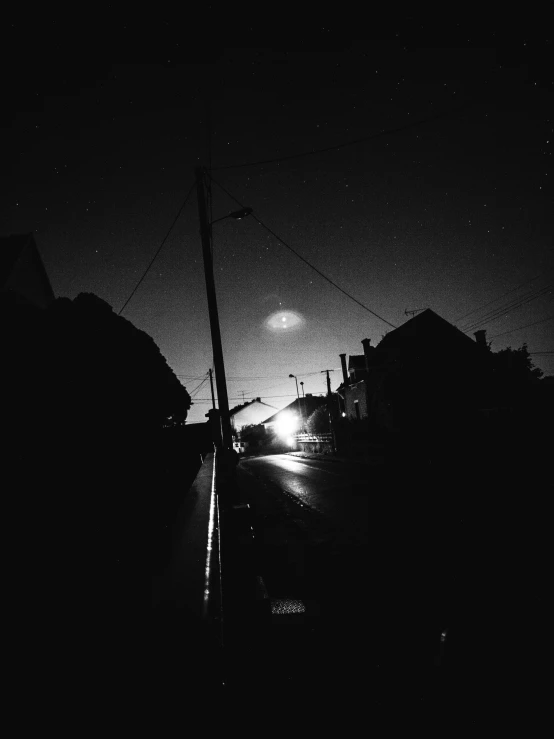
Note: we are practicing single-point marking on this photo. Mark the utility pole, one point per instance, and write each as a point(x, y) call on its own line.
point(328, 382)
point(219, 366)
point(212, 387)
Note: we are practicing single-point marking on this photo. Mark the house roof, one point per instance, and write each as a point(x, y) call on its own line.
point(426, 329)
point(12, 249)
point(305, 406)
point(238, 408)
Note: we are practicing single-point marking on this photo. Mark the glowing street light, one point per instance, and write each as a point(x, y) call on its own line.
point(286, 425)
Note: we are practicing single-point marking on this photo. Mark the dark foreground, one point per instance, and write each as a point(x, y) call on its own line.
point(455, 550)
point(429, 602)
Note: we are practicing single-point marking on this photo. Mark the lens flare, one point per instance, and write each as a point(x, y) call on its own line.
point(284, 320)
point(286, 425)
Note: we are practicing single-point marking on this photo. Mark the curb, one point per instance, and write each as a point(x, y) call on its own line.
point(371, 462)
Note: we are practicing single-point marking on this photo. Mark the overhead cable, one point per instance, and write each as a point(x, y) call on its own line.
point(321, 274)
point(535, 323)
point(379, 134)
point(158, 250)
point(495, 300)
point(500, 312)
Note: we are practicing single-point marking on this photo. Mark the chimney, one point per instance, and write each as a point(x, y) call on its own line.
point(367, 350)
point(258, 399)
point(481, 338)
point(344, 372)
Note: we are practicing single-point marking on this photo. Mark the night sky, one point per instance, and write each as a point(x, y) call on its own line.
point(444, 202)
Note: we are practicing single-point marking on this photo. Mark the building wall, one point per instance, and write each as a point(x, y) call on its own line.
point(356, 394)
point(252, 414)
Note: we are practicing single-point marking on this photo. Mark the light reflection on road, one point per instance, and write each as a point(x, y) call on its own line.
point(320, 485)
point(297, 466)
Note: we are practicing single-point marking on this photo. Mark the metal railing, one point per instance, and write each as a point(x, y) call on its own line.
point(313, 437)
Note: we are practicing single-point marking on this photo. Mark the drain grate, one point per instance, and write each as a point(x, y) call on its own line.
point(287, 607)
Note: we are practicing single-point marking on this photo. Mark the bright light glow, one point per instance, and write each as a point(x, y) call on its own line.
point(290, 440)
point(286, 425)
point(284, 320)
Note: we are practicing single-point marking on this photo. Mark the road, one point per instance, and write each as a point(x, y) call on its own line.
point(336, 491)
point(338, 536)
point(395, 558)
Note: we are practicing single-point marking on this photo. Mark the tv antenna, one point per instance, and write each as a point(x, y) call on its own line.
point(413, 312)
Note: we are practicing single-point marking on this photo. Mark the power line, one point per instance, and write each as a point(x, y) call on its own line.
point(513, 303)
point(497, 313)
point(267, 397)
point(521, 327)
point(371, 137)
point(240, 378)
point(532, 279)
point(305, 260)
point(197, 388)
point(159, 250)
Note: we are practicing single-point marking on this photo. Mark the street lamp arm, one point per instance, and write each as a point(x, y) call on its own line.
point(237, 215)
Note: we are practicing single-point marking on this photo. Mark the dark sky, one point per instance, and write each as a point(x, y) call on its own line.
point(446, 202)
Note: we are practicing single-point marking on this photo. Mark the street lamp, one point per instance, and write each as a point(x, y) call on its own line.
point(237, 215)
point(297, 393)
point(298, 396)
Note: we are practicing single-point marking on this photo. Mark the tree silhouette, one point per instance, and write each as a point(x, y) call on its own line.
point(318, 421)
point(516, 365)
point(100, 404)
point(512, 376)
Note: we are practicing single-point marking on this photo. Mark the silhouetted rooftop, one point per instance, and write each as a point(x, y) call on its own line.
point(427, 328)
point(305, 406)
point(20, 265)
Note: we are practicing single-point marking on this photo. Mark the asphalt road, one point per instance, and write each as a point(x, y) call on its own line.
point(394, 558)
point(338, 537)
point(337, 491)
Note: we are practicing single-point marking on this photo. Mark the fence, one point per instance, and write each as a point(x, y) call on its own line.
point(315, 442)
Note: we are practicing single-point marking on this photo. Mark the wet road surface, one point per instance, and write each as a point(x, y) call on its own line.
point(416, 581)
point(329, 535)
point(336, 491)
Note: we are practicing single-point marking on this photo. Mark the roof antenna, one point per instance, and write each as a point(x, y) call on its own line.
point(413, 312)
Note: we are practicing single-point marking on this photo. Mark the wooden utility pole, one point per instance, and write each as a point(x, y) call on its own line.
point(212, 387)
point(219, 365)
point(328, 382)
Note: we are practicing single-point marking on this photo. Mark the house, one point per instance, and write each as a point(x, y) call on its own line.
point(251, 413)
point(293, 417)
point(23, 278)
point(423, 371)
